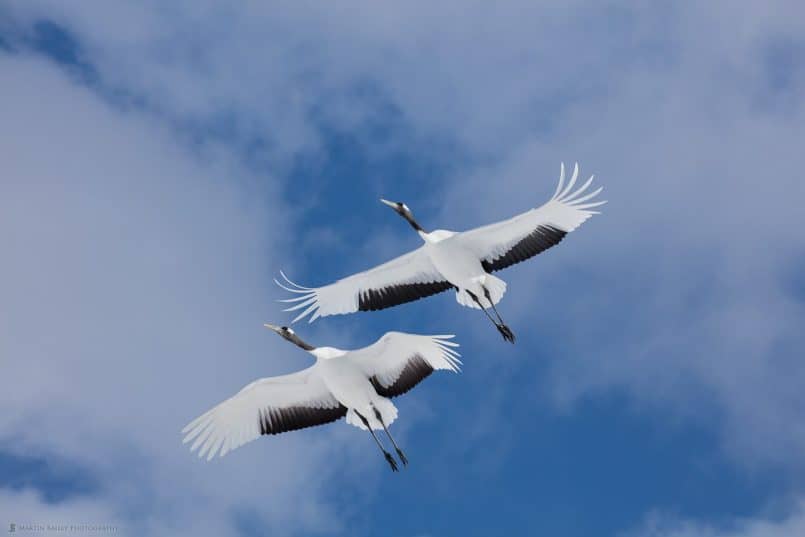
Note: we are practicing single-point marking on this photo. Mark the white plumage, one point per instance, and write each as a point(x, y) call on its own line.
point(453, 260)
point(344, 295)
point(357, 384)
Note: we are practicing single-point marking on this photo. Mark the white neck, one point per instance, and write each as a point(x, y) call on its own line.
point(327, 353)
point(437, 235)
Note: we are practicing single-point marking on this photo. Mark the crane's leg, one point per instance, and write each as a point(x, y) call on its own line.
point(502, 328)
point(386, 454)
point(500, 319)
point(400, 454)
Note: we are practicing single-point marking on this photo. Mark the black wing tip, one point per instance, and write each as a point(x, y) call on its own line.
point(415, 371)
point(536, 242)
point(394, 295)
point(280, 420)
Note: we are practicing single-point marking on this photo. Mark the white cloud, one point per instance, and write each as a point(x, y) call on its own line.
point(680, 287)
point(135, 280)
point(661, 525)
point(26, 508)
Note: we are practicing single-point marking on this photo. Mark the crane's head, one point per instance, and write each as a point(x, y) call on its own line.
point(403, 210)
point(290, 335)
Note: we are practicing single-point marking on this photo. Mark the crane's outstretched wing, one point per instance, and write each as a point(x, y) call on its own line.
point(409, 277)
point(271, 405)
point(505, 243)
point(397, 361)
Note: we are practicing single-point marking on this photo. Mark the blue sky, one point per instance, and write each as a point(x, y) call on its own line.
point(162, 162)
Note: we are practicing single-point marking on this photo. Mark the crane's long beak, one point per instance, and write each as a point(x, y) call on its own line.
point(389, 203)
point(273, 327)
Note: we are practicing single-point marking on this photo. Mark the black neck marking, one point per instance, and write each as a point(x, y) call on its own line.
point(293, 338)
point(414, 223)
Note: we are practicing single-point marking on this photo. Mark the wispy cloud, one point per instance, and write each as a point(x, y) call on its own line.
point(145, 231)
point(134, 282)
point(787, 524)
point(682, 289)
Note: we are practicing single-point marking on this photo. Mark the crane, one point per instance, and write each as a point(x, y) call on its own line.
point(356, 384)
point(463, 261)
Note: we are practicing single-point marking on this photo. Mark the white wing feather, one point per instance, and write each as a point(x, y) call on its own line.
point(386, 359)
point(237, 420)
point(344, 295)
point(565, 211)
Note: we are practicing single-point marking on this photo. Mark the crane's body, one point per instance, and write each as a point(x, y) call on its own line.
point(462, 261)
point(459, 266)
point(352, 388)
point(356, 384)
point(453, 261)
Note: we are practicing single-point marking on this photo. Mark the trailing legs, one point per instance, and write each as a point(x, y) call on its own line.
point(504, 330)
point(386, 454)
point(400, 454)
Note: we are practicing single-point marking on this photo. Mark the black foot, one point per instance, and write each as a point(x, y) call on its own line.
point(402, 457)
point(506, 332)
point(391, 461)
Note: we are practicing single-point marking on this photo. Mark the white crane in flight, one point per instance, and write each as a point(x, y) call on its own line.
point(357, 384)
point(462, 261)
